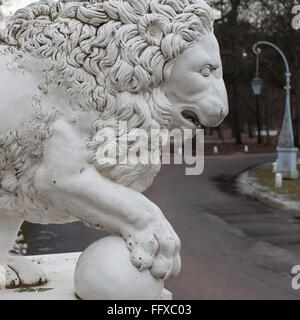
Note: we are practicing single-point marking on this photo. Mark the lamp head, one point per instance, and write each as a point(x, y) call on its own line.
point(257, 85)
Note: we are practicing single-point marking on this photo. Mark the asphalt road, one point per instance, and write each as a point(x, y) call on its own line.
point(233, 247)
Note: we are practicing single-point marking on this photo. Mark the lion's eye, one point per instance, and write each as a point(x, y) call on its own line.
point(206, 71)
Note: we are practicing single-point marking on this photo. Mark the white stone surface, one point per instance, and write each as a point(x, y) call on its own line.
point(55, 101)
point(60, 273)
point(9, 7)
point(2, 277)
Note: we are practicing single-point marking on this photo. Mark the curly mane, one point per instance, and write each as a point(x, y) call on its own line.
point(104, 56)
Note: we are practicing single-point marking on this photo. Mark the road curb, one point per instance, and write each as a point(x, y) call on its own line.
point(248, 184)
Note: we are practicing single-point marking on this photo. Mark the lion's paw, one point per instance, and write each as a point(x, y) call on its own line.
point(21, 273)
point(155, 247)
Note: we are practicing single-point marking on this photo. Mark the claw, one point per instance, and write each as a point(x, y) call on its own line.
point(156, 247)
point(22, 272)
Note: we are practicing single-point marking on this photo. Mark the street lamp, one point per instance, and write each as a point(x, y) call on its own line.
point(257, 85)
point(287, 153)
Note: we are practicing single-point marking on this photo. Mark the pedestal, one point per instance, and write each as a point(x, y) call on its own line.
point(287, 163)
point(59, 269)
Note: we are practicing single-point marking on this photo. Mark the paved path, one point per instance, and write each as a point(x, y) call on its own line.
point(233, 247)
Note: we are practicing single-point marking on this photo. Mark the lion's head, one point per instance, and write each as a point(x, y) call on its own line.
point(148, 62)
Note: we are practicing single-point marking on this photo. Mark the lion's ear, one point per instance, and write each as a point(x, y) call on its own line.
point(151, 28)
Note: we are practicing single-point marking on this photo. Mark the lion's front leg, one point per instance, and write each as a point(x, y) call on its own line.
point(102, 204)
point(76, 188)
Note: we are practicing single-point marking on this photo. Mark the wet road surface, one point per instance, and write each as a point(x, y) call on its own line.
point(233, 247)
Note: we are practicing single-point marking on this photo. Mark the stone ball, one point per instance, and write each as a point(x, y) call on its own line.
point(104, 272)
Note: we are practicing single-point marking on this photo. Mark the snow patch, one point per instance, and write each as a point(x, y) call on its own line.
point(247, 184)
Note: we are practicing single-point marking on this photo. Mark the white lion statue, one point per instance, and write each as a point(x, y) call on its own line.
point(72, 68)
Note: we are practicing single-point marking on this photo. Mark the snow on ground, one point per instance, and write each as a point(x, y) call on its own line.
point(248, 184)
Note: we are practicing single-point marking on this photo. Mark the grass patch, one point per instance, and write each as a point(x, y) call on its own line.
point(290, 188)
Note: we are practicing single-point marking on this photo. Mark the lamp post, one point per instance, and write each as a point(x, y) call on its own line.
point(287, 153)
point(257, 85)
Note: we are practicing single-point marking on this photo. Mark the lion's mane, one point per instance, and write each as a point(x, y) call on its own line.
point(103, 54)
